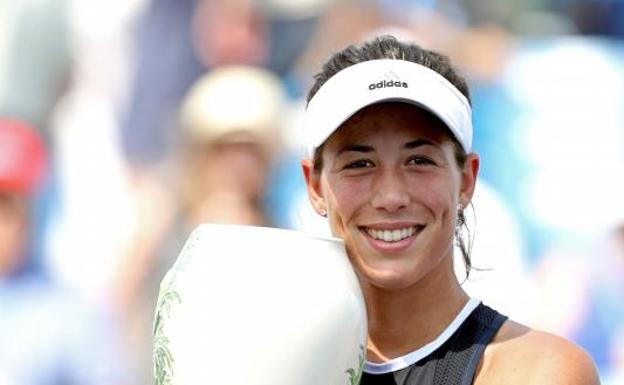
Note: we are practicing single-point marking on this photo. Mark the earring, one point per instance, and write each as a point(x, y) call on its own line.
point(323, 212)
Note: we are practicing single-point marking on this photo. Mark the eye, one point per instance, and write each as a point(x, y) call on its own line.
point(360, 163)
point(420, 161)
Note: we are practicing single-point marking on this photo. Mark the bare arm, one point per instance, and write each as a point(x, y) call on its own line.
point(562, 362)
point(520, 355)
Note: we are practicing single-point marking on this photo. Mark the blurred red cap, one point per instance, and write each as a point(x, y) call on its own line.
point(22, 157)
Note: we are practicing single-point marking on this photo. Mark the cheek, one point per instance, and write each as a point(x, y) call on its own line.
point(343, 199)
point(438, 194)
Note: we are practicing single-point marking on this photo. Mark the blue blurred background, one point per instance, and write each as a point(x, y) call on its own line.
point(124, 124)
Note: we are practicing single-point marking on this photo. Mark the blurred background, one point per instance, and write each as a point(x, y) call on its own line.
point(124, 124)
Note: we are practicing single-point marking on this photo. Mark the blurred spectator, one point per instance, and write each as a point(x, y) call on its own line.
point(34, 58)
point(345, 22)
point(561, 97)
point(229, 32)
point(230, 119)
point(179, 40)
point(581, 284)
point(593, 17)
point(165, 67)
point(93, 205)
point(47, 335)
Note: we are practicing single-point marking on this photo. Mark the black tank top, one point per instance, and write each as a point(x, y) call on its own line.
point(455, 361)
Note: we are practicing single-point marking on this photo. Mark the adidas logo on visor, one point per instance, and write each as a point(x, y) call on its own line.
point(387, 83)
point(390, 80)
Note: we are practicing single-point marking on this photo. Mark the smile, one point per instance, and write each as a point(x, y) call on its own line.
point(394, 235)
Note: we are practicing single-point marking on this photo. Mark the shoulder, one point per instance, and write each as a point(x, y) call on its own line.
point(521, 355)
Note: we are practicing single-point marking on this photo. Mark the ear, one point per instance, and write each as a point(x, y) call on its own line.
point(468, 179)
point(313, 183)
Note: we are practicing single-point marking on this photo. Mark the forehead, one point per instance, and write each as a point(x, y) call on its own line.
point(392, 119)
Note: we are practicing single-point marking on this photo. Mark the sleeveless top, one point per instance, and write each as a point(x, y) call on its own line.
point(451, 359)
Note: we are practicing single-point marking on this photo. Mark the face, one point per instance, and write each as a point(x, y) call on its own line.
point(13, 221)
point(238, 168)
point(226, 182)
point(391, 186)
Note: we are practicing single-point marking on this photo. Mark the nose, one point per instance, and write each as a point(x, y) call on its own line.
point(390, 191)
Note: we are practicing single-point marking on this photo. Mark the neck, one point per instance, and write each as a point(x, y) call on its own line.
point(401, 321)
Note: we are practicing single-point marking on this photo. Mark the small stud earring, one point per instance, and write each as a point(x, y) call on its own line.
point(323, 213)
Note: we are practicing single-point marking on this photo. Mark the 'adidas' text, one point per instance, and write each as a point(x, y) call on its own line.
point(387, 83)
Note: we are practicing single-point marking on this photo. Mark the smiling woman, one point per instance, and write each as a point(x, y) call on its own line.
point(392, 168)
point(371, 181)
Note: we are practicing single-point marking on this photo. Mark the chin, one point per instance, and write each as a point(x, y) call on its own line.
point(390, 276)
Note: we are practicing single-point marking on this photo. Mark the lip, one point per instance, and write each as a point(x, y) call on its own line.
point(392, 247)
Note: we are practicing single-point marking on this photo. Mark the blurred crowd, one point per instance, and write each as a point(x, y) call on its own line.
point(124, 124)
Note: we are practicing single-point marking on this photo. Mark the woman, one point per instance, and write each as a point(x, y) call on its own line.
point(391, 167)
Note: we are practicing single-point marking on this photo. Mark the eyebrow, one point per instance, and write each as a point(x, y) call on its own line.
point(356, 148)
point(365, 148)
point(418, 143)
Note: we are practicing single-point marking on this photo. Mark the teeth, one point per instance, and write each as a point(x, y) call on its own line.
point(391, 235)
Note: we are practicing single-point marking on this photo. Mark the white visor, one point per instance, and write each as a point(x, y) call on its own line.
point(374, 81)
